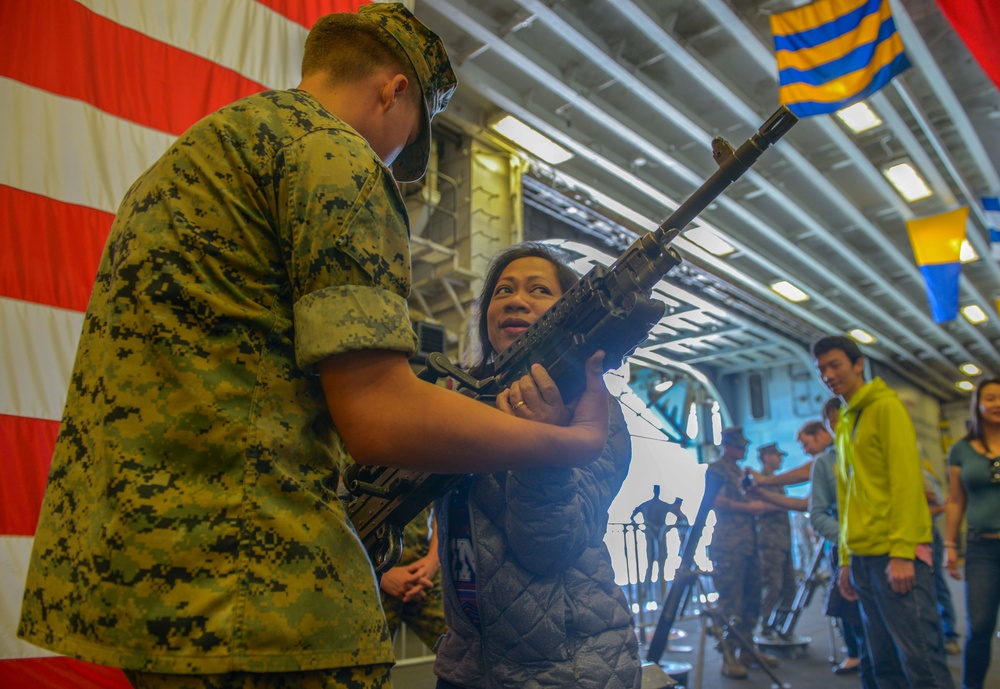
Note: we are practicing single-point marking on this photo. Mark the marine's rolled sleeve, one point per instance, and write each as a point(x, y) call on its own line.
point(347, 248)
point(347, 318)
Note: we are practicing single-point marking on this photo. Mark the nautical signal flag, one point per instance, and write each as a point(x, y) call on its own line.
point(937, 243)
point(991, 205)
point(833, 53)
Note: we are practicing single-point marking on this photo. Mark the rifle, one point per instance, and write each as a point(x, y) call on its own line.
point(608, 309)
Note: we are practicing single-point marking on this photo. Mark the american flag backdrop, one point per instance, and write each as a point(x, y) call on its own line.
point(91, 93)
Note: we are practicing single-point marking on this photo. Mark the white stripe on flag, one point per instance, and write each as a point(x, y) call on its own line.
point(991, 206)
point(71, 151)
point(37, 348)
point(243, 35)
point(15, 552)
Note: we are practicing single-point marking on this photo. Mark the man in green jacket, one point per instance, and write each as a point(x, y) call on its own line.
point(885, 525)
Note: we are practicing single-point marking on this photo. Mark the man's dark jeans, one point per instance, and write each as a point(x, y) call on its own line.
point(903, 632)
point(942, 593)
point(982, 598)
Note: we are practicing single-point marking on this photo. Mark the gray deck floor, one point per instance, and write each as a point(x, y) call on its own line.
point(811, 668)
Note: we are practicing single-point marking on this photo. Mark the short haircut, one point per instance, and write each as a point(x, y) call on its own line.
point(832, 407)
point(351, 47)
point(811, 428)
point(564, 274)
point(841, 342)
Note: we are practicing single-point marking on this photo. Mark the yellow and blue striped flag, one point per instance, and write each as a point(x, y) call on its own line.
point(833, 53)
point(937, 246)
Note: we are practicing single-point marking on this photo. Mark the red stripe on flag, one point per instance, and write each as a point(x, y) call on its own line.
point(62, 47)
point(51, 249)
point(306, 12)
point(978, 23)
point(28, 445)
point(40, 673)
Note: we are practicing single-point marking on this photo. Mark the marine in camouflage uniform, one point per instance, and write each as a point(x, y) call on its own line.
point(774, 546)
point(426, 616)
point(191, 523)
point(735, 570)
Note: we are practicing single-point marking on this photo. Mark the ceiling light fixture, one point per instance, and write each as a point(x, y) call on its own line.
point(970, 369)
point(859, 335)
point(709, 240)
point(967, 254)
point(965, 385)
point(974, 314)
point(859, 117)
point(789, 291)
point(663, 385)
point(531, 140)
point(907, 181)
point(609, 203)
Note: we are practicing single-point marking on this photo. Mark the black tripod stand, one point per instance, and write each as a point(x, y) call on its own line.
point(803, 594)
point(688, 576)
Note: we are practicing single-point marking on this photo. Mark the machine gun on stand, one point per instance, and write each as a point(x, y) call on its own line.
point(688, 579)
point(686, 574)
point(608, 309)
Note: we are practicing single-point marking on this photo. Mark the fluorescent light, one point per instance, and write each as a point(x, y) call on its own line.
point(907, 181)
point(789, 291)
point(966, 254)
point(663, 385)
point(609, 203)
point(619, 208)
point(859, 117)
point(692, 424)
point(531, 140)
point(965, 385)
point(709, 240)
point(974, 314)
point(970, 369)
point(859, 335)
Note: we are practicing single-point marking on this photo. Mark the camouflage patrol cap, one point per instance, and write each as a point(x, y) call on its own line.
point(769, 449)
point(433, 68)
point(734, 436)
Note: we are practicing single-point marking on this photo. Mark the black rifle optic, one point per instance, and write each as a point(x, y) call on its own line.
point(610, 309)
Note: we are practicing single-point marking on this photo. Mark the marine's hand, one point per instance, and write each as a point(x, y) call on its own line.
point(408, 583)
point(397, 581)
point(535, 396)
point(758, 507)
point(425, 568)
point(418, 591)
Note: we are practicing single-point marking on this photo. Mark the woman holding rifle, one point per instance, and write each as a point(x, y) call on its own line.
point(530, 595)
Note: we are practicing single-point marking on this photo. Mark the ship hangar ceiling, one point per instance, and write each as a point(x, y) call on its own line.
point(637, 91)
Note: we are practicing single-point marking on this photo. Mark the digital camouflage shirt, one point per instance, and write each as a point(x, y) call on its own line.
point(191, 523)
point(734, 533)
point(774, 529)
